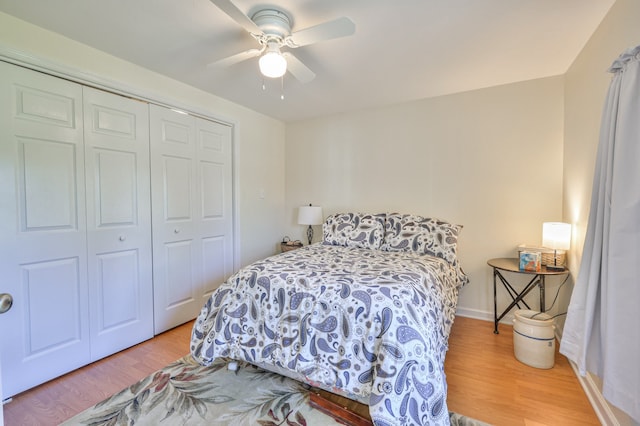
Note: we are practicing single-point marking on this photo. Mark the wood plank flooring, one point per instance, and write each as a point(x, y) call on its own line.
point(485, 381)
point(488, 383)
point(53, 402)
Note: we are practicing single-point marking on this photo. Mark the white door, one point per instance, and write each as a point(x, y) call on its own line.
point(43, 246)
point(116, 135)
point(215, 203)
point(1, 397)
point(6, 301)
point(191, 212)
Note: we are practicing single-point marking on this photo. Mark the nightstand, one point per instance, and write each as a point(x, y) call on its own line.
point(512, 265)
point(292, 245)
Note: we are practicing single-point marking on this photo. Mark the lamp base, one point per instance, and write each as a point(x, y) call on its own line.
point(310, 234)
point(555, 268)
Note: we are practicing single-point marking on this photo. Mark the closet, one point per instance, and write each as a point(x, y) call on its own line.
point(79, 244)
point(117, 182)
point(192, 210)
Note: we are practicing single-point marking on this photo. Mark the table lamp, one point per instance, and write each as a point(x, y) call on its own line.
point(556, 236)
point(310, 215)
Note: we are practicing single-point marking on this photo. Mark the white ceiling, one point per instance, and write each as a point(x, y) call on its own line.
point(402, 50)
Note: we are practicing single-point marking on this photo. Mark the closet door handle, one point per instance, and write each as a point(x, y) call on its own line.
point(6, 302)
point(122, 238)
point(176, 231)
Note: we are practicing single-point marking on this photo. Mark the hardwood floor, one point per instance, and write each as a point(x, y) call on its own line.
point(485, 381)
point(488, 383)
point(58, 400)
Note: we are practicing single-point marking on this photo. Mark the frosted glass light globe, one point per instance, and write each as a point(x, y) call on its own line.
point(272, 65)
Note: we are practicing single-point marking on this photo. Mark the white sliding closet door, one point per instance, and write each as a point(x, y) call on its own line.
point(43, 246)
point(215, 195)
point(191, 211)
point(118, 221)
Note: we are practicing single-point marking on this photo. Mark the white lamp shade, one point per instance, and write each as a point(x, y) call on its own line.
point(310, 215)
point(272, 64)
point(556, 235)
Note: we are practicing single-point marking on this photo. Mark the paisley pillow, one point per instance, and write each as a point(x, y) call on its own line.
point(435, 237)
point(422, 235)
point(359, 230)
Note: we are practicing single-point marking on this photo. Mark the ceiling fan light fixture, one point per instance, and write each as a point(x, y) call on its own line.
point(273, 64)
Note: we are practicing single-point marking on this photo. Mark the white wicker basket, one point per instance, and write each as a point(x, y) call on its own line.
point(547, 254)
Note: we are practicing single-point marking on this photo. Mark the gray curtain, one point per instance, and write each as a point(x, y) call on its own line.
point(602, 331)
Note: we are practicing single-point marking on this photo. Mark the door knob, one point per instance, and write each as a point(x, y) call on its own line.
point(6, 301)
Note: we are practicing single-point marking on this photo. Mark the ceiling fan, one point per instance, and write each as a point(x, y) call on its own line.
point(272, 29)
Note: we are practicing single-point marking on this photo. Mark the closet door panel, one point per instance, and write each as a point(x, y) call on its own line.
point(50, 333)
point(118, 221)
point(215, 263)
point(215, 203)
point(118, 287)
point(177, 173)
point(116, 183)
point(191, 164)
point(176, 244)
point(47, 173)
point(178, 256)
point(43, 261)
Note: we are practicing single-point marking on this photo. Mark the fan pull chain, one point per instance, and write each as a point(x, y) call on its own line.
point(282, 88)
point(264, 86)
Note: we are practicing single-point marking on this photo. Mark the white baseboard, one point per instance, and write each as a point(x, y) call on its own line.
point(475, 314)
point(598, 402)
point(483, 315)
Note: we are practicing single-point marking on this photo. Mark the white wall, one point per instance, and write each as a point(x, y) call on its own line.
point(586, 85)
point(489, 159)
point(259, 140)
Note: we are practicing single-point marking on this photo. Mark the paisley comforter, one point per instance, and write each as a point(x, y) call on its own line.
point(368, 324)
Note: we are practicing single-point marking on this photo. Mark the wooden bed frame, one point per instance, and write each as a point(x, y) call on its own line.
point(344, 410)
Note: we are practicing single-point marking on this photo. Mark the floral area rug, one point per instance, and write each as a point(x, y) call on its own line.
point(186, 393)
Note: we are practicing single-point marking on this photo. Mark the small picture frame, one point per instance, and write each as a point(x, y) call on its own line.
point(530, 261)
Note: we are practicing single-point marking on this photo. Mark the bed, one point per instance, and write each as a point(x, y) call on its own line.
point(365, 314)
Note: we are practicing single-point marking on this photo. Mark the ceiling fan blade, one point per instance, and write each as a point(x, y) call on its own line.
point(234, 59)
point(237, 15)
point(340, 27)
point(299, 70)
